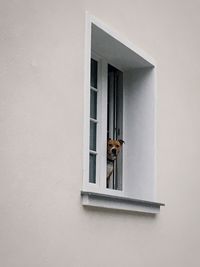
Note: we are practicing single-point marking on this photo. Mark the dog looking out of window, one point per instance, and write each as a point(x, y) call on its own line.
point(113, 149)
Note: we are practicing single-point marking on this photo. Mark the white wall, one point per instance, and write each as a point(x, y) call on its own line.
point(41, 125)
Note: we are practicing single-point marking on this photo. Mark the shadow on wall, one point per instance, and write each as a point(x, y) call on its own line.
point(112, 212)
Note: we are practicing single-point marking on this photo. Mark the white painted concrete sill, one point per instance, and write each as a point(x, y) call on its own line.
point(99, 200)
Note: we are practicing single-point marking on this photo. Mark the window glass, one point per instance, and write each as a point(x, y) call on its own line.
point(92, 169)
point(93, 104)
point(93, 134)
point(93, 80)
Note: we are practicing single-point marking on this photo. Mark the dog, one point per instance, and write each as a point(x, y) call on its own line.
point(113, 149)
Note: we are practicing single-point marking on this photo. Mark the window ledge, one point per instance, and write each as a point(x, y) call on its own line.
point(100, 200)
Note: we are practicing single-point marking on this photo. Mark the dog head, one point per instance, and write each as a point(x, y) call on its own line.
point(113, 148)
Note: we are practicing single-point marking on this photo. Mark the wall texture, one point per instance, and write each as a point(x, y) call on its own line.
point(42, 223)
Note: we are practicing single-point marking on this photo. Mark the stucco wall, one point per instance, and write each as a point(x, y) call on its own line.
point(42, 222)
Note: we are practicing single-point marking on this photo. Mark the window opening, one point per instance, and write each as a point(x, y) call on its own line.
point(115, 121)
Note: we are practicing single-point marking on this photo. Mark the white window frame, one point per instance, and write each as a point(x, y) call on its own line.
point(98, 128)
point(97, 194)
point(101, 160)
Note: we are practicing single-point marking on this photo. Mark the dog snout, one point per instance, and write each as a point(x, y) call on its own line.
point(114, 151)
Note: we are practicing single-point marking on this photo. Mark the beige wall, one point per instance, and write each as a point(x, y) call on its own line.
point(42, 222)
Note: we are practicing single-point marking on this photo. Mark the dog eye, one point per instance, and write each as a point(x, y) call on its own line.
point(117, 146)
point(110, 145)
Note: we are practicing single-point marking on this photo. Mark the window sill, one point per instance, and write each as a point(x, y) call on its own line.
point(93, 199)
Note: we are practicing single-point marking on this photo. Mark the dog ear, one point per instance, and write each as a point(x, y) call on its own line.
point(121, 142)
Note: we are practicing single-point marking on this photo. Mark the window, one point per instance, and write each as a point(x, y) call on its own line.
point(119, 104)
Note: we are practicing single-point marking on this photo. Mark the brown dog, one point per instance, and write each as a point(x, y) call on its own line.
point(113, 149)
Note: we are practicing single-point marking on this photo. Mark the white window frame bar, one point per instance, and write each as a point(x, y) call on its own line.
point(95, 186)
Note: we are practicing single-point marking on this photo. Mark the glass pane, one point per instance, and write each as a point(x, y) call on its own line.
point(93, 79)
point(93, 104)
point(92, 173)
point(93, 133)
